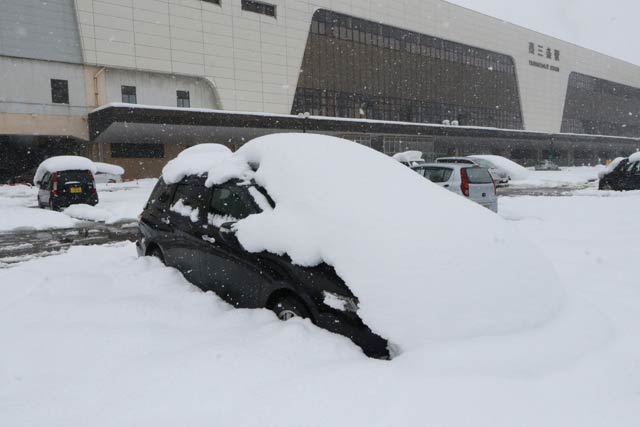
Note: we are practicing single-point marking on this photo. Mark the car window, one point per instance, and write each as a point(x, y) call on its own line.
point(438, 174)
point(44, 183)
point(189, 200)
point(478, 176)
point(636, 168)
point(74, 177)
point(231, 203)
point(484, 163)
point(630, 167)
point(160, 196)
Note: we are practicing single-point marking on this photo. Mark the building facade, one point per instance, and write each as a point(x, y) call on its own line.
point(418, 61)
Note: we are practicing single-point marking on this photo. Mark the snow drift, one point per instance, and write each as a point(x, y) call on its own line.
point(425, 264)
point(63, 163)
point(515, 171)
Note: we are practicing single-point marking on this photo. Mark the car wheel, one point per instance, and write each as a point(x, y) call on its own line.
point(51, 207)
point(289, 307)
point(157, 253)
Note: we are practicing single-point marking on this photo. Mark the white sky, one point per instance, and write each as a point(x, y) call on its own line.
point(607, 26)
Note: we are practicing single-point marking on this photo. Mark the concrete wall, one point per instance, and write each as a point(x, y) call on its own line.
point(254, 60)
point(159, 89)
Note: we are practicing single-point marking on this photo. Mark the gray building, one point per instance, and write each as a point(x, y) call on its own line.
point(416, 61)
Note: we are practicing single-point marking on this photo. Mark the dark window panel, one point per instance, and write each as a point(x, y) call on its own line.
point(129, 94)
point(184, 101)
point(259, 7)
point(59, 91)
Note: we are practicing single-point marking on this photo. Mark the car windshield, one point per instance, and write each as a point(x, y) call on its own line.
point(478, 176)
point(484, 163)
point(437, 174)
point(74, 177)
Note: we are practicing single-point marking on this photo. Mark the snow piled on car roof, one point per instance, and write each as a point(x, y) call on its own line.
point(196, 160)
point(635, 157)
point(425, 263)
point(109, 168)
point(515, 171)
point(63, 163)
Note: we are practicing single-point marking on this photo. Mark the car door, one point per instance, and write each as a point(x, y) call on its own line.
point(228, 269)
point(185, 216)
point(44, 190)
point(632, 177)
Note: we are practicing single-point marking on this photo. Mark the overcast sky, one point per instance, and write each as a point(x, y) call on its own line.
point(607, 26)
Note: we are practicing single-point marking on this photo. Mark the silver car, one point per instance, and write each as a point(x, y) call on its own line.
point(500, 176)
point(467, 180)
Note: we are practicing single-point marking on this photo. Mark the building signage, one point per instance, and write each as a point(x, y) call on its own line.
point(546, 54)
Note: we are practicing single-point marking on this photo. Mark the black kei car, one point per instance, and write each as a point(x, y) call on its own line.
point(65, 188)
point(624, 177)
point(190, 227)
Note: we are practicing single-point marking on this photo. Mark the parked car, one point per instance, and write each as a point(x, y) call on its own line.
point(25, 178)
point(107, 173)
point(547, 165)
point(64, 181)
point(189, 226)
point(499, 176)
point(467, 180)
point(410, 158)
point(611, 178)
point(630, 176)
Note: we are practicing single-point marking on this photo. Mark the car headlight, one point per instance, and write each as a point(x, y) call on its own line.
point(340, 302)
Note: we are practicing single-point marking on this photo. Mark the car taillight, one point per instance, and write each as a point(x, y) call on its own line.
point(464, 185)
point(55, 184)
point(95, 190)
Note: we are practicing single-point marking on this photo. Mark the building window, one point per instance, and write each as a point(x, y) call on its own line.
point(129, 94)
point(212, 1)
point(137, 150)
point(59, 91)
point(183, 99)
point(259, 7)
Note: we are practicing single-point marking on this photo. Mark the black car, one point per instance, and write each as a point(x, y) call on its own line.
point(191, 227)
point(65, 188)
point(624, 177)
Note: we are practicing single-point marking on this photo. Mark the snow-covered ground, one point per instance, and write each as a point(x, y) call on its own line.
point(99, 337)
point(567, 176)
point(119, 202)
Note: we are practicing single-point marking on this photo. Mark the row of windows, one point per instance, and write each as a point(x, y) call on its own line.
point(343, 77)
point(253, 6)
point(347, 28)
point(600, 107)
point(340, 104)
point(123, 150)
point(592, 84)
point(60, 94)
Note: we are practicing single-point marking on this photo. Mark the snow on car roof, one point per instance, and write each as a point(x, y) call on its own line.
point(515, 171)
point(409, 156)
point(63, 163)
point(109, 168)
point(381, 229)
point(196, 160)
point(635, 157)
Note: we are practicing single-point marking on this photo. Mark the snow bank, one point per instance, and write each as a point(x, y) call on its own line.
point(63, 163)
point(109, 168)
point(515, 171)
point(426, 264)
point(88, 213)
point(196, 160)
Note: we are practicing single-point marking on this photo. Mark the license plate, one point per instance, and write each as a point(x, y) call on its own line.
point(75, 190)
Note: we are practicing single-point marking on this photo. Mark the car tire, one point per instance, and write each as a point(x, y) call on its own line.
point(51, 207)
point(288, 307)
point(157, 253)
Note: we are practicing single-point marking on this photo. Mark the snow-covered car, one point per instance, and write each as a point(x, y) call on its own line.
point(188, 225)
point(107, 173)
point(624, 177)
point(264, 227)
point(409, 158)
point(611, 177)
point(499, 175)
point(467, 180)
point(63, 181)
point(547, 165)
